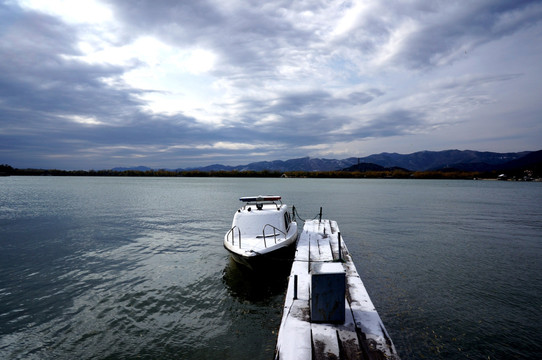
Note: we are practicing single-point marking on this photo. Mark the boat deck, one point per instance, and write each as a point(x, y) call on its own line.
point(362, 335)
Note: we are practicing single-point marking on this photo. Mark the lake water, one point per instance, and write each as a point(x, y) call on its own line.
point(116, 268)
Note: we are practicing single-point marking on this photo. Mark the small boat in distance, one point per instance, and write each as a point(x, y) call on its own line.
point(262, 231)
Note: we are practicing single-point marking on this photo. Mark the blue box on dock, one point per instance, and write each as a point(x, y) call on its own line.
point(328, 286)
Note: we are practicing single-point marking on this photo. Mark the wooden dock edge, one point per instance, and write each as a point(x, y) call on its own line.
point(361, 336)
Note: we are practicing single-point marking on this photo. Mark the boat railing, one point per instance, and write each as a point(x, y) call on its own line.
point(260, 200)
point(233, 235)
point(274, 235)
point(230, 236)
point(260, 204)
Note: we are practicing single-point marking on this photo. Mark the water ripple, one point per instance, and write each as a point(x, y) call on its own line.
point(126, 268)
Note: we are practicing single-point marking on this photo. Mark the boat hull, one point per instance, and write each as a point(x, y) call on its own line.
point(262, 232)
point(268, 260)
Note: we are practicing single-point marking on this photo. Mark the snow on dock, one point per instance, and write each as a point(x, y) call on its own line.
point(316, 327)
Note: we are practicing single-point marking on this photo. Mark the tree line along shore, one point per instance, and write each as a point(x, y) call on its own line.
point(7, 170)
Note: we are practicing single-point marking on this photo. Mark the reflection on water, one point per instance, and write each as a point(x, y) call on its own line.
point(256, 285)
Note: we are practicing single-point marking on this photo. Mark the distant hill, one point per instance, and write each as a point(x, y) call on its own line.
point(418, 161)
point(215, 167)
point(137, 168)
point(300, 164)
point(364, 167)
point(434, 160)
point(464, 160)
point(532, 161)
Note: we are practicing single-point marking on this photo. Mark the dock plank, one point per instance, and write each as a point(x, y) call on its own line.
point(324, 342)
point(324, 249)
point(303, 246)
point(314, 248)
point(294, 340)
point(334, 243)
point(348, 338)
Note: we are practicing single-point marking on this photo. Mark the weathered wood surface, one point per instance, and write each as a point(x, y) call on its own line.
point(361, 336)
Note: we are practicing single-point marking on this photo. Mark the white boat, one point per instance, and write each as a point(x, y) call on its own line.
point(262, 231)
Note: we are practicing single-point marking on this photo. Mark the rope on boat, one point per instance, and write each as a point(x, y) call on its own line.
point(296, 214)
point(287, 259)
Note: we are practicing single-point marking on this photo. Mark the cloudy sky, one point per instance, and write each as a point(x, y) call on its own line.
point(95, 84)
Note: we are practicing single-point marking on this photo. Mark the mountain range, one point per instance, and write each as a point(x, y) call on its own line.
point(464, 160)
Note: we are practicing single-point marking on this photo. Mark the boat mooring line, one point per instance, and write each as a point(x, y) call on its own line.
point(294, 212)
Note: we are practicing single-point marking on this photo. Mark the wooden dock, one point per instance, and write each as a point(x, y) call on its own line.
point(362, 335)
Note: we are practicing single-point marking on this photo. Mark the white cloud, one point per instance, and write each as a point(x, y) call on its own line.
point(80, 11)
point(177, 80)
point(225, 145)
point(395, 43)
point(351, 17)
point(84, 120)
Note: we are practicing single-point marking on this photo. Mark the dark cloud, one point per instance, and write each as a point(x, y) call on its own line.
point(301, 118)
point(448, 29)
point(36, 75)
point(397, 123)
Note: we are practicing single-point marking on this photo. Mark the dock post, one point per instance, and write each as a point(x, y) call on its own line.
point(340, 252)
point(320, 216)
